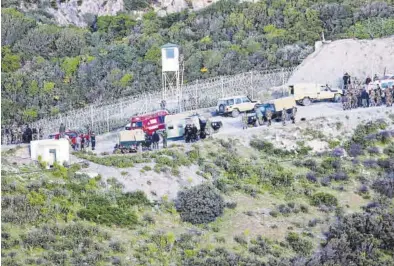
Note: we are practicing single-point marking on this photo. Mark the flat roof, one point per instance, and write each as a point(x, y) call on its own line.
point(232, 97)
point(169, 45)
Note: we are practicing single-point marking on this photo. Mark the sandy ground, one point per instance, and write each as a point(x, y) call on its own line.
point(360, 58)
point(323, 118)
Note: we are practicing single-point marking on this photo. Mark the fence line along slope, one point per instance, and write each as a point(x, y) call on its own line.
point(202, 94)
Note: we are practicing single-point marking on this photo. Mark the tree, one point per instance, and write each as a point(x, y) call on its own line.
point(39, 41)
point(70, 42)
point(14, 26)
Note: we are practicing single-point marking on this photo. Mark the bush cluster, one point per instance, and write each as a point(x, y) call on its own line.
point(322, 198)
point(200, 204)
point(298, 244)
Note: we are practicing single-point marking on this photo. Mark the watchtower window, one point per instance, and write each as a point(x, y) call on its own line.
point(170, 54)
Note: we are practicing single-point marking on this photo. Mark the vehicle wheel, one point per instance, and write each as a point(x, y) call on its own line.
point(235, 113)
point(306, 101)
point(221, 109)
point(337, 98)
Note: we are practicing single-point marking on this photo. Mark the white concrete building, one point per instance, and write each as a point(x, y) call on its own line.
point(50, 151)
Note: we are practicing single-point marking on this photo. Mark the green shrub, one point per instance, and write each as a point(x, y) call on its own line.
point(299, 245)
point(321, 198)
point(200, 204)
point(108, 215)
point(132, 198)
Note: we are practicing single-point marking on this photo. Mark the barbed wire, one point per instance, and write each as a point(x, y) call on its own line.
point(108, 116)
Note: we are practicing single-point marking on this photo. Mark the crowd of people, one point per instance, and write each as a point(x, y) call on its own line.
point(19, 134)
point(365, 95)
point(79, 142)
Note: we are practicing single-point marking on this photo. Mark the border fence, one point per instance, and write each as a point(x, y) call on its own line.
point(105, 117)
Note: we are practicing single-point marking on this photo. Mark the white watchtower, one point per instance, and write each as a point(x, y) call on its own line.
point(172, 73)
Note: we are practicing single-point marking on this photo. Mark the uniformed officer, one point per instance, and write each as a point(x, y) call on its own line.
point(293, 114)
point(244, 121)
point(389, 97)
point(378, 96)
point(259, 115)
point(372, 98)
point(284, 116)
point(268, 114)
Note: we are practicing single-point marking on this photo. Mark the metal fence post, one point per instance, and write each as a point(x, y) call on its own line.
point(91, 117)
point(221, 78)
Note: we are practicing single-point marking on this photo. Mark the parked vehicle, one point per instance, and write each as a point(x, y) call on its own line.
point(149, 123)
point(306, 93)
point(129, 140)
point(276, 107)
point(175, 125)
point(235, 105)
point(71, 134)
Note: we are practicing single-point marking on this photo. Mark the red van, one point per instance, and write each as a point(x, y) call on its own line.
point(149, 123)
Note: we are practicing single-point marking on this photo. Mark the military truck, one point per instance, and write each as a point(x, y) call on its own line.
point(306, 93)
point(276, 107)
point(130, 140)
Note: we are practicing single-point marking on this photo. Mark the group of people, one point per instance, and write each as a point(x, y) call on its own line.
point(21, 134)
point(268, 116)
point(366, 95)
point(191, 133)
point(152, 142)
point(79, 142)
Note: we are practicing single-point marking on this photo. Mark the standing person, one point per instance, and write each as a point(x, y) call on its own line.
point(164, 137)
point(375, 78)
point(62, 130)
point(93, 140)
point(389, 97)
point(368, 80)
point(269, 117)
point(82, 142)
point(194, 133)
point(29, 134)
point(208, 127)
point(284, 116)
point(259, 115)
point(155, 140)
point(378, 96)
point(78, 142)
point(74, 143)
point(244, 121)
point(293, 114)
point(346, 81)
point(364, 98)
point(372, 101)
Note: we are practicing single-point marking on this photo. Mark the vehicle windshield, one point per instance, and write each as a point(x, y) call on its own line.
point(137, 124)
point(246, 100)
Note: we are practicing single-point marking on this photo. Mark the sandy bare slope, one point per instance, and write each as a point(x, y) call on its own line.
point(360, 58)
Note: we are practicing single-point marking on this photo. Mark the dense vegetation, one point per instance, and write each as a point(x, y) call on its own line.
point(47, 69)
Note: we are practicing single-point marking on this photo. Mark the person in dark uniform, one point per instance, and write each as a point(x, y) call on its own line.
point(346, 81)
point(194, 133)
point(155, 140)
point(93, 140)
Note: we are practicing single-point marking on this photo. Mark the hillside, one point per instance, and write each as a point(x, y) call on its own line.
point(270, 196)
point(360, 58)
point(48, 69)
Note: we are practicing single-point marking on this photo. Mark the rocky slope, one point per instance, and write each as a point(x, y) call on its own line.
point(76, 11)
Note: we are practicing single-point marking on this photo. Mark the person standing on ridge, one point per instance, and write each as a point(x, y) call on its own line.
point(346, 81)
